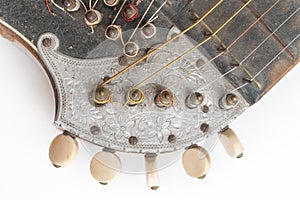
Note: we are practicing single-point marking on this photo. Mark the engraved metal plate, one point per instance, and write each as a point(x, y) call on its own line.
point(111, 125)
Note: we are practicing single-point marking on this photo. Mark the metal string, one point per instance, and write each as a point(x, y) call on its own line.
point(137, 26)
point(196, 46)
point(161, 46)
point(229, 47)
point(230, 71)
point(270, 62)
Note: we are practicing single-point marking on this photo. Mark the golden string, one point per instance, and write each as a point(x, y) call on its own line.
point(161, 46)
point(195, 47)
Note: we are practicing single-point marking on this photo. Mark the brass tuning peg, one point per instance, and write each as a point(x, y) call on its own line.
point(151, 171)
point(231, 143)
point(105, 166)
point(196, 162)
point(63, 150)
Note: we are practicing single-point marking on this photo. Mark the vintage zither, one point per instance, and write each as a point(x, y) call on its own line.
point(153, 77)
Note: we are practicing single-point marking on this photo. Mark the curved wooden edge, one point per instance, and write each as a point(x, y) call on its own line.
point(11, 34)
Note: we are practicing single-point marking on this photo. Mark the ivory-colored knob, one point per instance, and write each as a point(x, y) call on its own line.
point(105, 166)
point(63, 150)
point(196, 162)
point(231, 143)
point(151, 171)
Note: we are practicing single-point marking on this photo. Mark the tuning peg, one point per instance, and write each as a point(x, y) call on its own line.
point(63, 150)
point(105, 166)
point(151, 171)
point(231, 143)
point(196, 162)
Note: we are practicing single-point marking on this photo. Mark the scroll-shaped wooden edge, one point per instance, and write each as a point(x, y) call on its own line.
point(10, 33)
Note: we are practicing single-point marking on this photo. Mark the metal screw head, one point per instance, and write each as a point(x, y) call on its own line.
point(164, 98)
point(204, 127)
point(95, 130)
point(135, 96)
point(133, 140)
point(172, 138)
point(231, 99)
point(194, 100)
point(102, 96)
point(47, 42)
point(205, 109)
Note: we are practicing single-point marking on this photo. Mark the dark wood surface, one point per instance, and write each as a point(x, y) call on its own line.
point(30, 19)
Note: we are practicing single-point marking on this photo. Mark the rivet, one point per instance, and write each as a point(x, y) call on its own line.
point(47, 42)
point(172, 138)
point(204, 127)
point(133, 140)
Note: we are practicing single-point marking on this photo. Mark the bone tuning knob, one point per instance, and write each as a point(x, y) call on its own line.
point(196, 162)
point(105, 166)
point(63, 150)
point(231, 143)
point(151, 171)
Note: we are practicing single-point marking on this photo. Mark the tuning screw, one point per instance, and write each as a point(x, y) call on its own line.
point(71, 5)
point(194, 100)
point(135, 96)
point(63, 150)
point(229, 101)
point(151, 171)
point(164, 98)
point(231, 143)
point(101, 96)
point(105, 166)
point(196, 162)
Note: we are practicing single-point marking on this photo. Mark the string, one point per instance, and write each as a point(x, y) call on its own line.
point(229, 47)
point(161, 46)
point(117, 15)
point(58, 6)
point(284, 22)
point(195, 47)
point(85, 8)
point(136, 28)
point(154, 17)
point(267, 65)
point(94, 4)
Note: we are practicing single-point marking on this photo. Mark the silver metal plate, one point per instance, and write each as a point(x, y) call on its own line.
point(111, 125)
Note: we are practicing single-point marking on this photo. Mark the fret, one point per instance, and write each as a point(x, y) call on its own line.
point(253, 92)
point(257, 15)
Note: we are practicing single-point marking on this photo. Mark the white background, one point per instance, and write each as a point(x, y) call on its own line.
point(269, 131)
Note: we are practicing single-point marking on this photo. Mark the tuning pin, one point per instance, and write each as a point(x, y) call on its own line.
point(105, 166)
point(231, 143)
point(151, 171)
point(63, 150)
point(196, 162)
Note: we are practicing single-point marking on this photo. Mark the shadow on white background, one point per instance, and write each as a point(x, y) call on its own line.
point(269, 131)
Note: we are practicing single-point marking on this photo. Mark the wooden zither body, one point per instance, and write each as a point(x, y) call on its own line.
point(154, 76)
